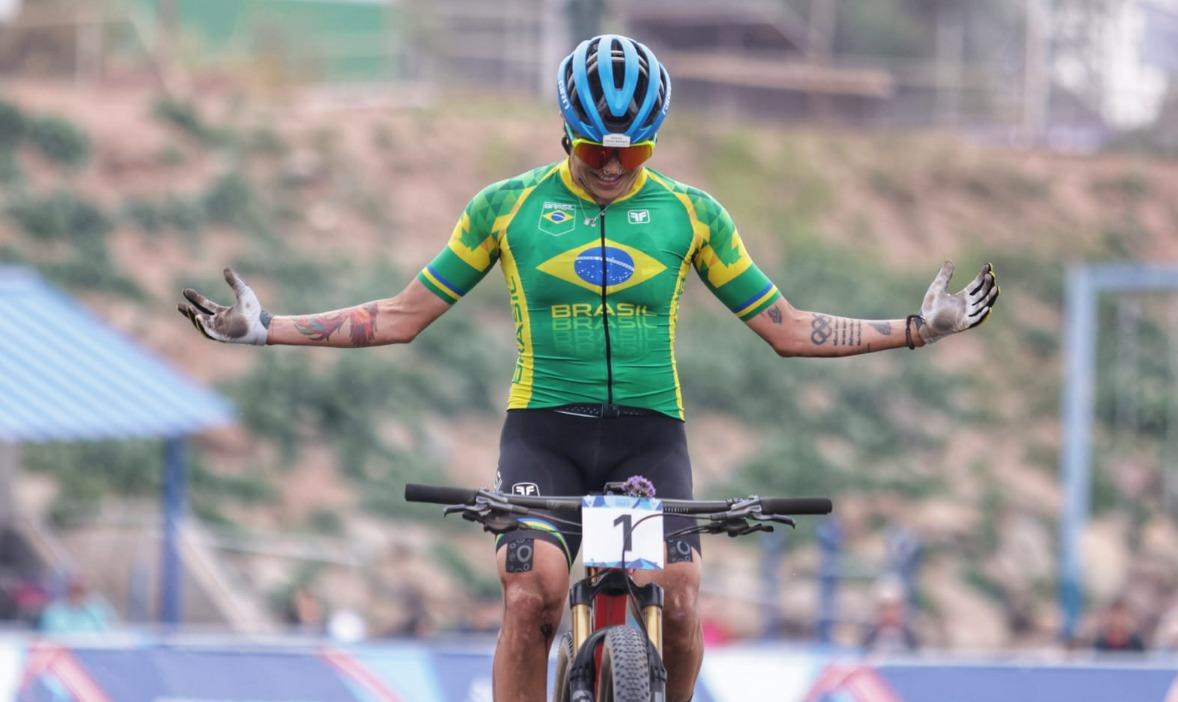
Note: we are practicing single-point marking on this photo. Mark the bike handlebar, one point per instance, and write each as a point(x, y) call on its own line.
point(796, 505)
point(769, 505)
point(439, 494)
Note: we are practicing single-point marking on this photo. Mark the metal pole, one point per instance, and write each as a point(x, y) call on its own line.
point(9, 458)
point(174, 498)
point(772, 555)
point(830, 541)
point(1077, 399)
point(1169, 454)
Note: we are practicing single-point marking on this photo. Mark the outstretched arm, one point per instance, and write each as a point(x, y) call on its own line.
point(793, 332)
point(395, 320)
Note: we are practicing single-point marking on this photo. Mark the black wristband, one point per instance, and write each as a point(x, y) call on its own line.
point(908, 328)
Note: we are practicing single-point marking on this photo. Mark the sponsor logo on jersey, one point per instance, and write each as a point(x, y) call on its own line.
point(557, 218)
point(584, 309)
point(615, 265)
point(525, 489)
point(639, 216)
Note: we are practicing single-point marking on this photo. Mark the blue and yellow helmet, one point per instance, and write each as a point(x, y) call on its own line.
point(613, 89)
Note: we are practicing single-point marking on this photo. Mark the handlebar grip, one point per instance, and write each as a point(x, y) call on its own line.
point(439, 494)
point(796, 505)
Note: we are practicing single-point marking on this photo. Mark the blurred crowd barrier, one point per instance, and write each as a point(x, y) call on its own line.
point(38, 670)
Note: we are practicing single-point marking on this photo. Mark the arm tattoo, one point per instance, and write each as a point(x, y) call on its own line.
point(774, 314)
point(362, 325)
point(843, 331)
point(820, 330)
point(884, 328)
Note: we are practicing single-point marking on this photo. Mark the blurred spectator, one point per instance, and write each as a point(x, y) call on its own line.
point(890, 632)
point(304, 612)
point(715, 629)
point(22, 599)
point(483, 617)
point(8, 607)
point(31, 598)
point(416, 622)
point(80, 611)
point(345, 625)
point(1118, 630)
point(1166, 635)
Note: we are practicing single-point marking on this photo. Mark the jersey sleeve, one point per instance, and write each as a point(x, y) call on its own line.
point(471, 252)
point(723, 263)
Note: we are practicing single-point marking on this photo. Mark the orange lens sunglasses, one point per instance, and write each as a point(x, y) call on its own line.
point(596, 155)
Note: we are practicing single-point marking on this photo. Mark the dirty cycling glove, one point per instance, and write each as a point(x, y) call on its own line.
point(944, 313)
point(243, 323)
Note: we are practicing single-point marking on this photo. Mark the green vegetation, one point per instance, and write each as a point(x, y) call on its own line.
point(836, 221)
point(875, 416)
point(172, 213)
point(478, 582)
point(230, 200)
point(61, 215)
point(88, 471)
point(13, 125)
point(185, 117)
point(78, 228)
point(144, 214)
point(60, 141)
point(326, 522)
point(11, 172)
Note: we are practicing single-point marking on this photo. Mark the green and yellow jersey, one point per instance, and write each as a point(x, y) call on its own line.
point(595, 293)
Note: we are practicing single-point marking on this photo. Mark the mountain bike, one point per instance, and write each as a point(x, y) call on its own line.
point(602, 659)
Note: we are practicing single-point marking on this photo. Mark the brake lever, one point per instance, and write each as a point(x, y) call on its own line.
point(731, 527)
point(749, 529)
point(493, 514)
point(775, 518)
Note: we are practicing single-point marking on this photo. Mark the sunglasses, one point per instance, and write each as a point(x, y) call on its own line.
point(596, 155)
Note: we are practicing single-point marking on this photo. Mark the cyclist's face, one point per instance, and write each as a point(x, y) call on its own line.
point(605, 184)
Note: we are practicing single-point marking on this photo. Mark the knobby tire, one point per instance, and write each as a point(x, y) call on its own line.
point(625, 670)
point(564, 661)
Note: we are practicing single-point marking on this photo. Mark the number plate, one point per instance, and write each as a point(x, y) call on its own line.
point(619, 531)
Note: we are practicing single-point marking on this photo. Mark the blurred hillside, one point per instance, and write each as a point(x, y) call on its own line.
point(125, 197)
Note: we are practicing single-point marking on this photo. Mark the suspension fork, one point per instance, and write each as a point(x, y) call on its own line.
point(601, 599)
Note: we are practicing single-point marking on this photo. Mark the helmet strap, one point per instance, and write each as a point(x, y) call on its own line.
point(566, 140)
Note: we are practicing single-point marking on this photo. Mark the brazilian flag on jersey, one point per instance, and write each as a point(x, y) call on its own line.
point(558, 250)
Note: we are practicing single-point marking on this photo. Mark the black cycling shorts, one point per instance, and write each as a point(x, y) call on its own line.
point(549, 452)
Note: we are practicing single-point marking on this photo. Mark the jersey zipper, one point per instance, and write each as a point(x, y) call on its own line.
point(609, 410)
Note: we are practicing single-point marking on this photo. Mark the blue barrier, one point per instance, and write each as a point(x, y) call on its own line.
point(33, 670)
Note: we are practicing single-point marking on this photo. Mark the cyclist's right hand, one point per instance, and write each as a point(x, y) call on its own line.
point(243, 323)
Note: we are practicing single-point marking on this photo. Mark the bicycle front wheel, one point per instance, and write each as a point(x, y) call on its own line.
point(625, 669)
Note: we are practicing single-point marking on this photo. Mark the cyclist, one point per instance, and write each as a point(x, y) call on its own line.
point(595, 249)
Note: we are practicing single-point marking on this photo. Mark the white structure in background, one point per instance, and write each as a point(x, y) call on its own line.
point(9, 9)
point(1115, 55)
point(1138, 62)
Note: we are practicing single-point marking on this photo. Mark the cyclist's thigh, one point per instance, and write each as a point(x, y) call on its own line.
point(535, 596)
point(549, 572)
point(534, 460)
point(655, 447)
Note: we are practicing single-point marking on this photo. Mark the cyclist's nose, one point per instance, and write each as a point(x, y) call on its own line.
point(613, 166)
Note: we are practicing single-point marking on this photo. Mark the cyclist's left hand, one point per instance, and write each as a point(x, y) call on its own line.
point(947, 313)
